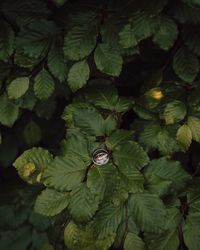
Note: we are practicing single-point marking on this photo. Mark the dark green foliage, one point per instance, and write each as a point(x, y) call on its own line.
point(120, 76)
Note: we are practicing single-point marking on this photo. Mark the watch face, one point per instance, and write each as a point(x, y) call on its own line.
point(100, 157)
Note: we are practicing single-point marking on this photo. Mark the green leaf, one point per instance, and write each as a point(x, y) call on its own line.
point(148, 137)
point(84, 238)
point(16, 240)
point(130, 156)
point(6, 41)
point(83, 203)
point(158, 185)
point(185, 13)
point(56, 64)
point(174, 217)
point(80, 146)
point(169, 240)
point(167, 145)
point(51, 202)
point(168, 170)
point(184, 137)
point(154, 137)
point(127, 37)
point(64, 173)
point(149, 211)
point(102, 96)
point(124, 104)
point(107, 220)
point(192, 2)
point(117, 137)
point(32, 133)
point(18, 87)
point(175, 111)
point(92, 123)
point(153, 7)
point(108, 60)
point(191, 231)
point(185, 65)
point(143, 25)
point(101, 179)
point(31, 164)
point(194, 125)
point(59, 2)
point(79, 42)
point(191, 38)
point(132, 240)
point(45, 109)
point(24, 12)
point(36, 38)
point(43, 85)
point(69, 110)
point(167, 33)
point(9, 111)
point(78, 75)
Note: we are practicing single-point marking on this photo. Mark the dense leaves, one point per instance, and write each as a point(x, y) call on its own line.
point(100, 110)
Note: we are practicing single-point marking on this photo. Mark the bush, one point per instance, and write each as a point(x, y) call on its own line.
point(100, 112)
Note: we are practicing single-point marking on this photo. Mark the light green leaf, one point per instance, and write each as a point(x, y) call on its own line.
point(191, 231)
point(117, 137)
point(194, 125)
point(129, 157)
point(9, 111)
point(51, 202)
point(174, 112)
point(18, 87)
point(149, 211)
point(32, 133)
point(166, 34)
point(184, 137)
point(83, 203)
point(43, 85)
point(108, 60)
point(186, 65)
point(133, 241)
point(7, 37)
point(79, 42)
point(31, 164)
point(78, 75)
point(64, 173)
point(168, 170)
